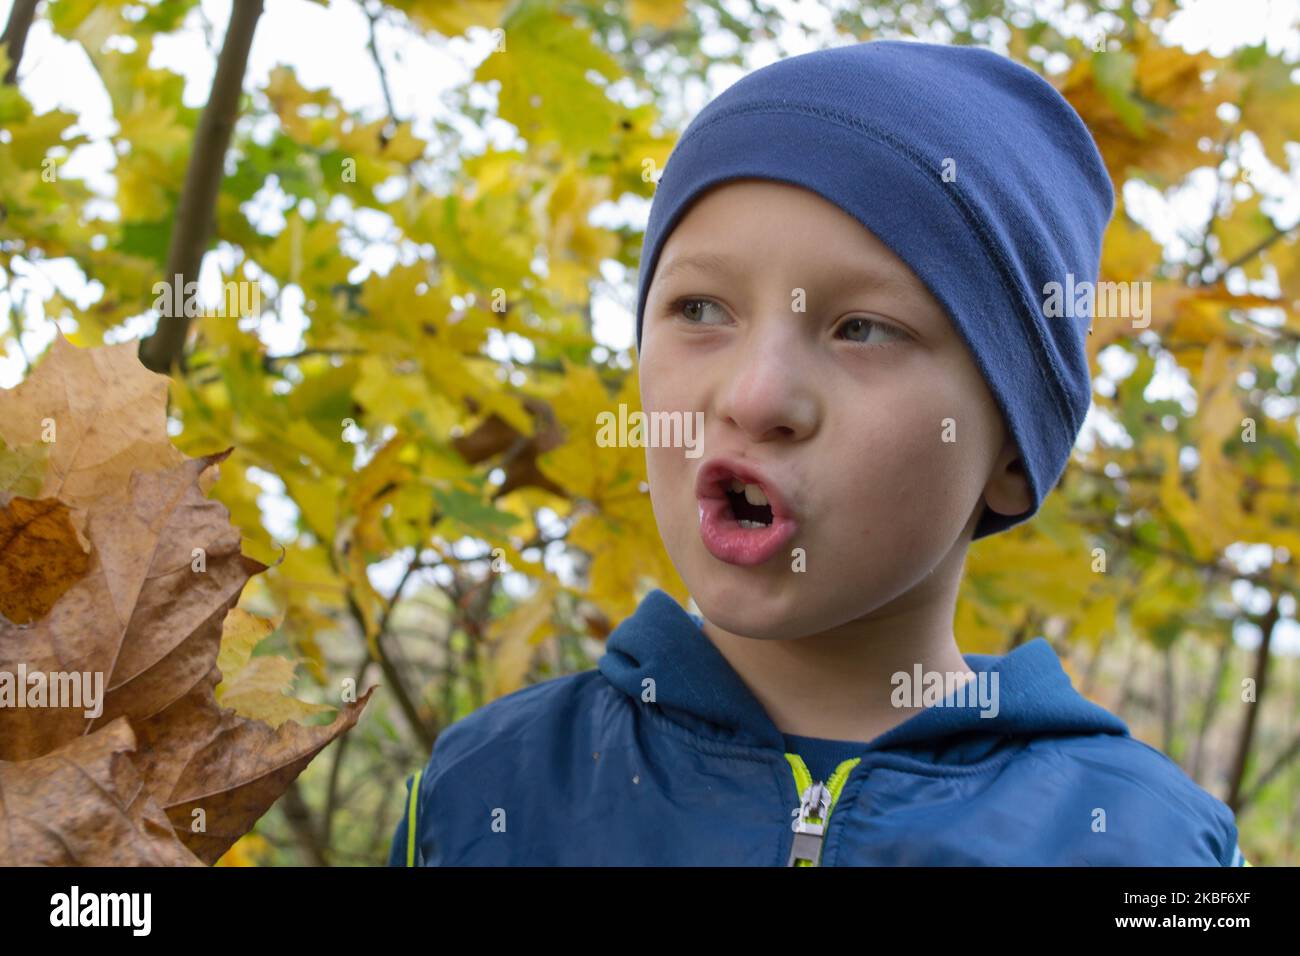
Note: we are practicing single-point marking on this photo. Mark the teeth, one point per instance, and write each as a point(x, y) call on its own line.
point(753, 493)
point(746, 523)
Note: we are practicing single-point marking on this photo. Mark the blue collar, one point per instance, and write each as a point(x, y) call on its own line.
point(660, 654)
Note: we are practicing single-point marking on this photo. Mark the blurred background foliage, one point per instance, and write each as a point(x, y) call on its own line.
point(420, 467)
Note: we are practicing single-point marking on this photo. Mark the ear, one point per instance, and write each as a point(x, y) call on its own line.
point(1007, 491)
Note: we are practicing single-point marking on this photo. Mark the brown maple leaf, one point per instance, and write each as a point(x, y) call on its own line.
point(118, 751)
point(100, 413)
point(40, 557)
point(84, 805)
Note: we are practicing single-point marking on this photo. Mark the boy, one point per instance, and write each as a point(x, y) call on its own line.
point(841, 271)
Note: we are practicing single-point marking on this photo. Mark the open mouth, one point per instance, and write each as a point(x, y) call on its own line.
point(749, 504)
point(744, 517)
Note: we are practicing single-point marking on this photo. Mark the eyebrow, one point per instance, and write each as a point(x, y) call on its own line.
point(854, 277)
point(700, 262)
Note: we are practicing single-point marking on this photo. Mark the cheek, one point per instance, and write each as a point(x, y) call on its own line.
point(659, 392)
point(665, 387)
point(660, 380)
point(671, 498)
point(664, 471)
point(900, 475)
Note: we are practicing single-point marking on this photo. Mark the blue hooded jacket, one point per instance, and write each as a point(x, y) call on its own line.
point(662, 756)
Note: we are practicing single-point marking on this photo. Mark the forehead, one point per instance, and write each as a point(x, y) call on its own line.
point(778, 230)
point(731, 265)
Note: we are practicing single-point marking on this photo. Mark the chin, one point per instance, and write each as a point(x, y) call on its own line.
point(745, 603)
point(758, 609)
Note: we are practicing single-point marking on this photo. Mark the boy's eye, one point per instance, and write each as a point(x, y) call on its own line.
point(693, 309)
point(858, 329)
point(864, 327)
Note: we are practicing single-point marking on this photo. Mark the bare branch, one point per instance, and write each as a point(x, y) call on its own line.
point(14, 38)
point(390, 128)
point(1246, 736)
point(196, 212)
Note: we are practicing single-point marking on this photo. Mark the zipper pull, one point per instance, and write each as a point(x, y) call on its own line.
point(809, 825)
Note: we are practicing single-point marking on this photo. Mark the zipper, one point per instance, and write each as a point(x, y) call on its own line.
point(813, 815)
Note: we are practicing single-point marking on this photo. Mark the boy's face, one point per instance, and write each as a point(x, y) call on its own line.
point(843, 407)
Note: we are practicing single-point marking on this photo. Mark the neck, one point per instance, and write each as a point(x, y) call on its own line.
point(838, 683)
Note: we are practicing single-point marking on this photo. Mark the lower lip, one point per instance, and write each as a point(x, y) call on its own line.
point(728, 541)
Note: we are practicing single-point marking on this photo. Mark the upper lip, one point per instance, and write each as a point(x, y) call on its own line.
point(712, 479)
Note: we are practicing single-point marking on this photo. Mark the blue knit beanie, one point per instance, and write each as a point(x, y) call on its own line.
point(973, 169)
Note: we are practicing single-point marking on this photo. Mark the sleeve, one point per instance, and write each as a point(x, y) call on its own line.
point(1230, 842)
point(405, 850)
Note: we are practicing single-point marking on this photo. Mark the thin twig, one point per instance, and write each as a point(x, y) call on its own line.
point(390, 128)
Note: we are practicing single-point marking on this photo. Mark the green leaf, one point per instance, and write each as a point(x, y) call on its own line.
point(469, 509)
point(148, 240)
point(1116, 74)
point(545, 91)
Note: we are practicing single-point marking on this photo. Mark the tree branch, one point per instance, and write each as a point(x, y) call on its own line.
point(14, 38)
point(1211, 704)
point(1276, 767)
point(297, 813)
point(390, 127)
point(331, 795)
point(1252, 252)
point(1246, 736)
point(196, 211)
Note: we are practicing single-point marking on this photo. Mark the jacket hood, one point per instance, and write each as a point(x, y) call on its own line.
point(697, 686)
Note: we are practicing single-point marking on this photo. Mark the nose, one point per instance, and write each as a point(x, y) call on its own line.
point(766, 390)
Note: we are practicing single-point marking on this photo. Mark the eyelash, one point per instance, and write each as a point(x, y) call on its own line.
point(675, 308)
